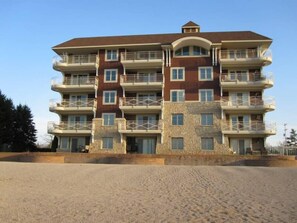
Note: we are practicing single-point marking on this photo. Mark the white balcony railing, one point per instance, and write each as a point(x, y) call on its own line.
point(246, 77)
point(255, 101)
point(141, 56)
point(90, 102)
point(142, 78)
point(256, 126)
point(77, 126)
point(76, 81)
point(141, 125)
point(134, 101)
point(75, 59)
point(238, 54)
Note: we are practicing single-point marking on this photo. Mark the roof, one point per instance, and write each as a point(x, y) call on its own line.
point(214, 37)
point(190, 23)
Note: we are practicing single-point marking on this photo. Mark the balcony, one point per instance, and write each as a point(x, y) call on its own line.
point(245, 57)
point(249, 129)
point(140, 127)
point(73, 128)
point(71, 84)
point(140, 82)
point(76, 62)
point(245, 81)
point(252, 104)
point(140, 105)
point(142, 59)
point(73, 107)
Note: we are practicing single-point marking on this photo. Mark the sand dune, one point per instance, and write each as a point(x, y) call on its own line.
point(32, 192)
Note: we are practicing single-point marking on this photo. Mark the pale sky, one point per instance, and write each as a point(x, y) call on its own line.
point(29, 28)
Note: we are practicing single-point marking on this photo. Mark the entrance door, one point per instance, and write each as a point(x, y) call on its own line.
point(240, 122)
point(148, 77)
point(78, 79)
point(74, 145)
point(147, 122)
point(77, 122)
point(239, 99)
point(146, 99)
point(77, 144)
point(78, 100)
point(239, 146)
point(148, 146)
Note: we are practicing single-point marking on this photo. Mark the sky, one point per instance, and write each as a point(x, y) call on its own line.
point(30, 28)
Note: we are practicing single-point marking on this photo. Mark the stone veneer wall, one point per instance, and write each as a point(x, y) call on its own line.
point(192, 131)
point(101, 131)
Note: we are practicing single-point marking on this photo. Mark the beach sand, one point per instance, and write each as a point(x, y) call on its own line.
point(40, 192)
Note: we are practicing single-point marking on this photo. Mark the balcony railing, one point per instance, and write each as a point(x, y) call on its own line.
point(80, 81)
point(77, 126)
point(134, 101)
point(75, 59)
point(90, 102)
point(141, 125)
point(239, 54)
point(141, 56)
point(256, 101)
point(246, 77)
point(142, 78)
point(255, 126)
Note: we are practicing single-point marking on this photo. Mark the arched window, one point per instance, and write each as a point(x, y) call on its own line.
point(191, 51)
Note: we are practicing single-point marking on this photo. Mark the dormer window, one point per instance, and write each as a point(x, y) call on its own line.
point(191, 51)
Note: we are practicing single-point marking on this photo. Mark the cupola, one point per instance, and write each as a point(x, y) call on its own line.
point(190, 27)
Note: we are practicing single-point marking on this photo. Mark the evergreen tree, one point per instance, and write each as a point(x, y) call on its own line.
point(24, 130)
point(293, 135)
point(6, 121)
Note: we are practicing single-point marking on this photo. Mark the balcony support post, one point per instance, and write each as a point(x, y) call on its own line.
point(169, 57)
point(213, 56)
point(216, 56)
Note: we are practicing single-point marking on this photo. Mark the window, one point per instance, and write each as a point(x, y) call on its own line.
point(205, 73)
point(77, 79)
point(206, 119)
point(177, 95)
point(80, 58)
point(108, 119)
point(110, 75)
point(206, 95)
point(64, 143)
point(107, 143)
point(177, 119)
point(177, 143)
point(111, 55)
point(109, 97)
point(207, 143)
point(177, 74)
point(197, 51)
point(185, 51)
point(239, 75)
point(191, 51)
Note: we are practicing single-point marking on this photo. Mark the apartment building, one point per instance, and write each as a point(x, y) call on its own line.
point(184, 93)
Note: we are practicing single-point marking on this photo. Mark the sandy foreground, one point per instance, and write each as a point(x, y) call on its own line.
point(36, 192)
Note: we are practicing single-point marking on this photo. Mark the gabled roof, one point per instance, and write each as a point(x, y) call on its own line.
point(190, 23)
point(162, 39)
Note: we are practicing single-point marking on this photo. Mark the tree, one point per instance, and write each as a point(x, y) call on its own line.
point(6, 121)
point(293, 135)
point(24, 130)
